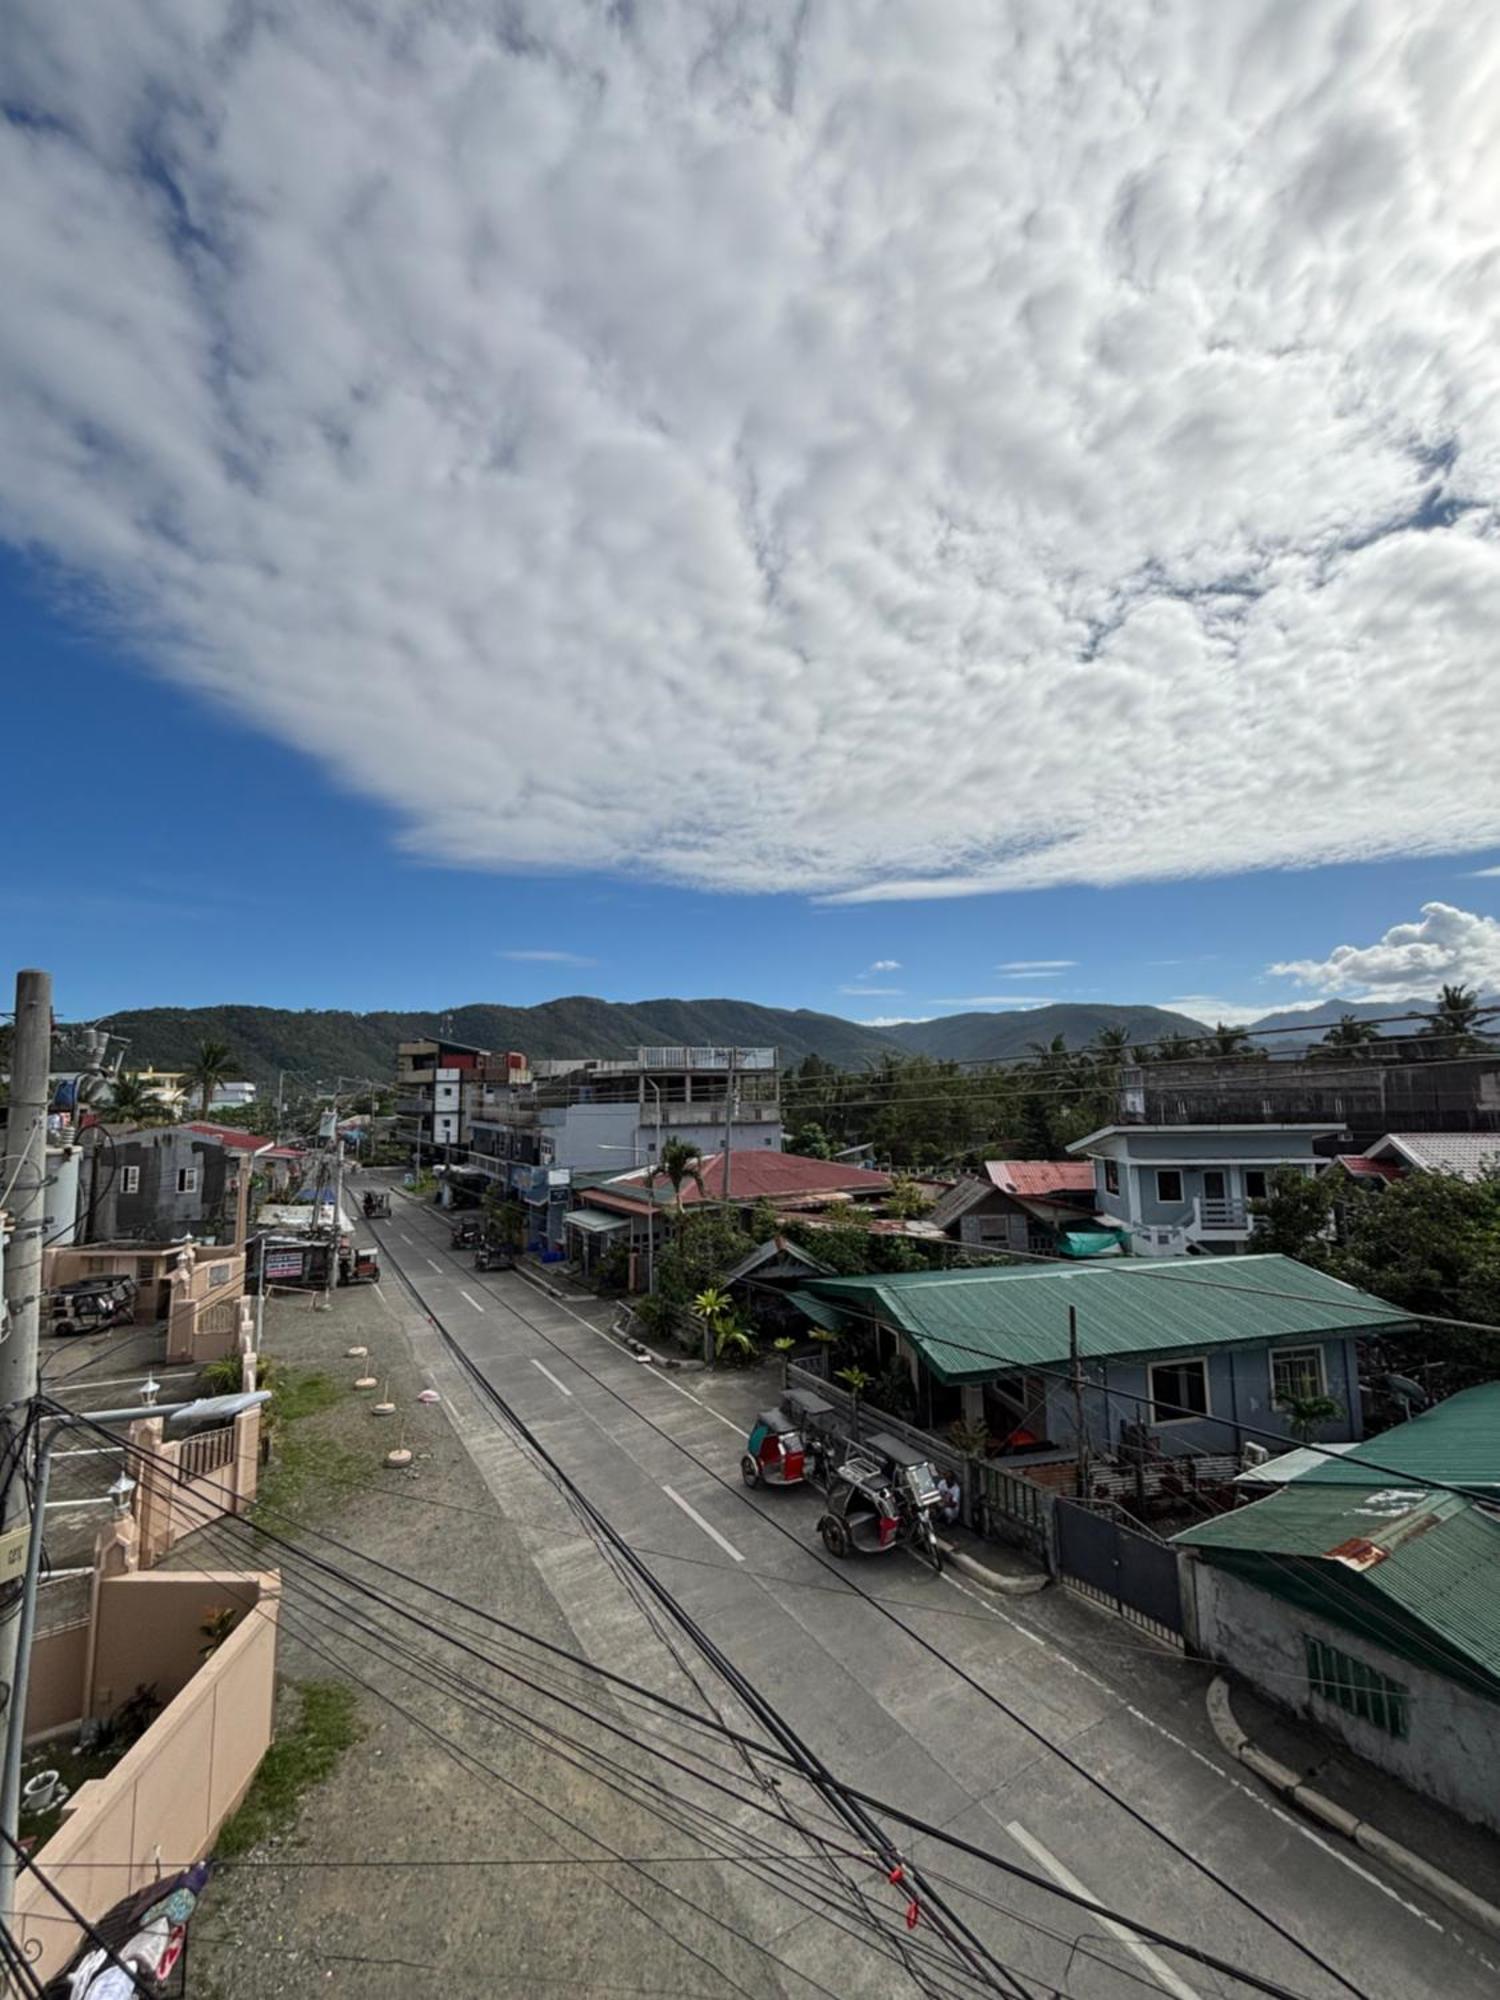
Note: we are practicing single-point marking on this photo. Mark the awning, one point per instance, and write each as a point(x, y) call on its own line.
point(1091, 1242)
point(594, 1222)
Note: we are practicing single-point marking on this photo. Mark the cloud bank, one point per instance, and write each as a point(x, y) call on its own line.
point(881, 450)
point(1445, 946)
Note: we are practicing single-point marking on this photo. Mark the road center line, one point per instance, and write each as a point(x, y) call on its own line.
point(403, 1235)
point(1160, 1971)
point(436, 1267)
point(707, 1526)
point(468, 1301)
point(542, 1368)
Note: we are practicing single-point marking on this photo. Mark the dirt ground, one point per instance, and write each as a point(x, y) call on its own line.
point(446, 1812)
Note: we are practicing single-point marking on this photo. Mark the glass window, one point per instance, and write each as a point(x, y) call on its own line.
point(1169, 1184)
point(130, 1180)
point(1255, 1184)
point(1179, 1389)
point(1297, 1372)
point(1357, 1689)
point(187, 1180)
point(1111, 1177)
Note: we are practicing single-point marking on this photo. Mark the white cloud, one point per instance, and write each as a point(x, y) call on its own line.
point(1002, 1000)
point(892, 1020)
point(1481, 874)
point(546, 958)
point(882, 965)
point(1211, 1010)
point(1411, 961)
point(949, 448)
point(1035, 968)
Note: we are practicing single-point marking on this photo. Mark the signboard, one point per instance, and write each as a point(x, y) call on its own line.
point(13, 1546)
point(282, 1264)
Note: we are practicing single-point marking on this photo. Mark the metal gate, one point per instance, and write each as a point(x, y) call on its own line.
point(1120, 1565)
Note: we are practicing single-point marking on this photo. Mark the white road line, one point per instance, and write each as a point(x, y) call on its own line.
point(542, 1368)
point(468, 1301)
point(403, 1235)
point(380, 1295)
point(436, 1267)
point(707, 1526)
point(1160, 1971)
point(656, 1373)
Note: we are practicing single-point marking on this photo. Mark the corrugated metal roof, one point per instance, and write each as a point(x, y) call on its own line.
point(1466, 1154)
point(1457, 1441)
point(1040, 1178)
point(1414, 1571)
point(969, 1323)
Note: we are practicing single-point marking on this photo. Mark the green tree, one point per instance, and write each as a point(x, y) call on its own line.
point(1454, 1020)
point(811, 1141)
point(1230, 1042)
point(906, 1200)
point(209, 1068)
point(132, 1102)
point(1349, 1032)
point(680, 1163)
point(1296, 1217)
point(1308, 1414)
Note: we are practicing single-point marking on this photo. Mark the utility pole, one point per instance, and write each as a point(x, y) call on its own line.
point(25, 1195)
point(1075, 1370)
point(729, 1117)
point(280, 1100)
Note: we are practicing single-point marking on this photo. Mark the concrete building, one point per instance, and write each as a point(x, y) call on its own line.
point(1172, 1361)
point(232, 1096)
point(608, 1116)
point(1369, 1602)
point(158, 1185)
point(439, 1084)
point(1178, 1189)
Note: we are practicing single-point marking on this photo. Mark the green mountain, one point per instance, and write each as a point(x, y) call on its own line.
point(1000, 1037)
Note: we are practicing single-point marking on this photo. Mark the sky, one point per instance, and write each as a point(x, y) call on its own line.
point(864, 507)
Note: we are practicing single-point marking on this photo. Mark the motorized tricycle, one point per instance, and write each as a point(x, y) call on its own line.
point(377, 1204)
point(88, 1305)
point(494, 1257)
point(468, 1234)
point(791, 1444)
point(359, 1266)
point(882, 1496)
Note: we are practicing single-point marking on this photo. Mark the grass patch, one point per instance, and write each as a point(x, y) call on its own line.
point(303, 1756)
point(303, 1393)
point(307, 1470)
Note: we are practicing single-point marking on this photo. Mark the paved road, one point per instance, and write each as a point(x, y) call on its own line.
point(894, 1693)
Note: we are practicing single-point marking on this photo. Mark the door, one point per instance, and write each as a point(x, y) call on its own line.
point(1215, 1184)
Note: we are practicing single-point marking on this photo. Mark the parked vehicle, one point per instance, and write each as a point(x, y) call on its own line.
point(791, 1444)
point(468, 1234)
point(359, 1265)
point(88, 1305)
point(494, 1257)
point(883, 1496)
point(377, 1204)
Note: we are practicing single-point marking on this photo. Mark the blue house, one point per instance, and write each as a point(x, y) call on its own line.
point(1187, 1189)
point(1198, 1352)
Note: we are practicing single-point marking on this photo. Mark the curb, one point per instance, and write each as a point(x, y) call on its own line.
point(1286, 1781)
point(992, 1579)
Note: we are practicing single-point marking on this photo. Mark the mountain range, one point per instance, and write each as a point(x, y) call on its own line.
point(316, 1046)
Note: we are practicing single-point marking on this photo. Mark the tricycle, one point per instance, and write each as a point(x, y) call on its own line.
point(88, 1305)
point(377, 1204)
point(791, 1444)
point(359, 1265)
point(494, 1257)
point(883, 1496)
point(467, 1235)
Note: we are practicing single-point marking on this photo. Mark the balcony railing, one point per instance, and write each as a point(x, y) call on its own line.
point(1228, 1217)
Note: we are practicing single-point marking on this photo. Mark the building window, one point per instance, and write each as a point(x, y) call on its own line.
point(187, 1180)
point(1111, 1176)
point(1297, 1372)
point(1169, 1184)
point(1255, 1184)
point(1355, 1688)
point(218, 1274)
point(130, 1180)
point(1179, 1390)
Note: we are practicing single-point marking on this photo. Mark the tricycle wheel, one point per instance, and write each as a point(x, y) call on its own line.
point(835, 1535)
point(750, 1469)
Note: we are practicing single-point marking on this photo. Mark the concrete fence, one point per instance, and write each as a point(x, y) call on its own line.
point(187, 1483)
point(163, 1804)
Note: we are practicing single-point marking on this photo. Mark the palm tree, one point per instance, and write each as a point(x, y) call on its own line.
point(1050, 1055)
point(1110, 1045)
point(680, 1162)
point(1307, 1414)
point(1453, 1022)
point(1350, 1032)
point(1227, 1041)
point(132, 1102)
point(208, 1069)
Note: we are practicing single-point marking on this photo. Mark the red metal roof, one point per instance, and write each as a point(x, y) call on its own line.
point(230, 1135)
point(1380, 1170)
point(753, 1176)
point(1041, 1178)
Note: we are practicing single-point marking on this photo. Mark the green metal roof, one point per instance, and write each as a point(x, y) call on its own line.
point(1411, 1570)
point(969, 1323)
point(1457, 1442)
point(596, 1221)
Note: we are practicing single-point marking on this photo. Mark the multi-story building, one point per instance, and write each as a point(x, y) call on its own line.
point(1188, 1188)
point(439, 1085)
point(607, 1116)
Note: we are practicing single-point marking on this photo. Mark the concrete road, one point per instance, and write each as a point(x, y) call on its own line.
point(1039, 1729)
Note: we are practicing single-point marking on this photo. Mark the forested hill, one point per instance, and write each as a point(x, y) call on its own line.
point(319, 1045)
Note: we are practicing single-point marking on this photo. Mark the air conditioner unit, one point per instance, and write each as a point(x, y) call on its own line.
point(1254, 1454)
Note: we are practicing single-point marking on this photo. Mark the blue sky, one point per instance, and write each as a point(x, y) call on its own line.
point(181, 858)
point(747, 504)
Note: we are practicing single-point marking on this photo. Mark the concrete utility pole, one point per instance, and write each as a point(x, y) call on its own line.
point(23, 1191)
point(1075, 1370)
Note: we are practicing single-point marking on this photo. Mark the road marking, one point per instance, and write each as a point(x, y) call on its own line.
point(380, 1294)
point(542, 1368)
point(656, 1373)
point(436, 1267)
point(1160, 1971)
point(403, 1235)
point(707, 1526)
point(468, 1301)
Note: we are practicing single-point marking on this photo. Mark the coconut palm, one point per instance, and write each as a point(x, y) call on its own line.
point(1454, 1019)
point(1227, 1041)
point(680, 1163)
point(133, 1102)
point(1110, 1045)
point(1308, 1414)
point(209, 1068)
point(1350, 1032)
